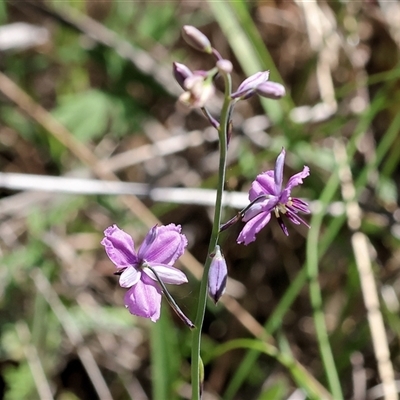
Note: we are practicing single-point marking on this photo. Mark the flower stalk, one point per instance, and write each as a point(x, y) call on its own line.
point(201, 306)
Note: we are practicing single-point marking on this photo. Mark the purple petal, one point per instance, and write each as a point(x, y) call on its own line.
point(278, 173)
point(144, 299)
point(167, 274)
point(297, 179)
point(147, 242)
point(300, 205)
point(129, 277)
point(119, 247)
point(263, 184)
point(296, 219)
point(248, 233)
point(263, 205)
point(168, 245)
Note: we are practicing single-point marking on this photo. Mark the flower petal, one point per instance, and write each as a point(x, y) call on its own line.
point(129, 277)
point(250, 84)
point(144, 299)
point(248, 233)
point(259, 206)
point(119, 247)
point(168, 245)
point(297, 179)
point(278, 173)
point(167, 274)
point(300, 205)
point(295, 218)
point(263, 184)
point(147, 242)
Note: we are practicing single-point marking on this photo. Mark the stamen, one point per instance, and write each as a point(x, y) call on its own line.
point(282, 208)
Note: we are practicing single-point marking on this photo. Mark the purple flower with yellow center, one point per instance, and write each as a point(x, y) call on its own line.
point(267, 195)
point(144, 272)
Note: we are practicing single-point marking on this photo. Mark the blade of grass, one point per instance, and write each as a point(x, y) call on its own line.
point(312, 262)
point(164, 363)
point(34, 362)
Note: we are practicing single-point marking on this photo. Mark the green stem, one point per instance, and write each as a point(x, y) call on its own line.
point(201, 306)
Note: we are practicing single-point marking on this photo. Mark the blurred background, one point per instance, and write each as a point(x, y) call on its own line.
point(87, 96)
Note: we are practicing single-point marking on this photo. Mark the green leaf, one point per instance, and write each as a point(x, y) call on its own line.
point(86, 114)
point(19, 383)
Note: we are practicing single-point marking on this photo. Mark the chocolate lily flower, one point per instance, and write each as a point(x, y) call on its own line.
point(267, 195)
point(142, 271)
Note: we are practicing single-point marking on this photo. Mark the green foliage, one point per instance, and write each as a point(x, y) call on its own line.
point(276, 391)
point(19, 383)
point(88, 115)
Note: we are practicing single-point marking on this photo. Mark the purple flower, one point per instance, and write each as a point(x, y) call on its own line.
point(267, 195)
point(162, 246)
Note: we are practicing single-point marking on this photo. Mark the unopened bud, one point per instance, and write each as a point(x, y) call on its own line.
point(248, 87)
point(271, 90)
point(217, 276)
point(224, 66)
point(181, 73)
point(196, 39)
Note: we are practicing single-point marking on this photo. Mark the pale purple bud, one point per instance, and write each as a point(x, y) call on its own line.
point(217, 276)
point(248, 87)
point(196, 39)
point(271, 90)
point(181, 73)
point(224, 66)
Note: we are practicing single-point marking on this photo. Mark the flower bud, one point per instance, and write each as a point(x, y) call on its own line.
point(181, 73)
point(196, 39)
point(248, 87)
point(217, 276)
point(224, 66)
point(271, 90)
